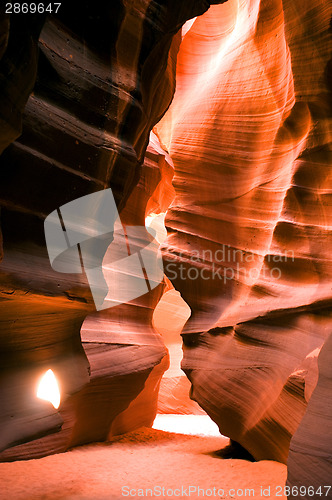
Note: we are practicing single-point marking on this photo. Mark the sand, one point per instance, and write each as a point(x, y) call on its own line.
point(145, 459)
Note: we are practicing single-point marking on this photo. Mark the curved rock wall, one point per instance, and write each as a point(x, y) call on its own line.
point(104, 78)
point(309, 461)
point(248, 231)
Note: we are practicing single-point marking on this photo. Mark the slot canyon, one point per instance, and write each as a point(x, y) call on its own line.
point(209, 123)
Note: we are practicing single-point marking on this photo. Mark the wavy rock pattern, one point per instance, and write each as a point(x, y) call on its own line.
point(104, 79)
point(249, 229)
point(174, 387)
point(309, 461)
point(249, 240)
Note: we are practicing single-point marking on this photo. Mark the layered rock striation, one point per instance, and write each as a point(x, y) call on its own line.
point(248, 219)
point(102, 76)
point(249, 229)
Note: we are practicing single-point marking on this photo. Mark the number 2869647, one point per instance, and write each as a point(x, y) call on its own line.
point(32, 8)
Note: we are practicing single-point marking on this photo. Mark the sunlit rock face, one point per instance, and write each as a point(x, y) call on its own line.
point(127, 357)
point(248, 231)
point(121, 340)
point(309, 460)
point(103, 80)
point(174, 391)
point(248, 228)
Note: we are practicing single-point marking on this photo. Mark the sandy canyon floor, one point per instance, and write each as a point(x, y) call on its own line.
point(148, 463)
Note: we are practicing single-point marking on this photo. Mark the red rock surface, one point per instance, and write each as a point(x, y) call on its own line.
point(103, 80)
point(309, 461)
point(248, 242)
point(249, 239)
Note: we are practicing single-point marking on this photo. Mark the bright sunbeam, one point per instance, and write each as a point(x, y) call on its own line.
point(157, 223)
point(197, 425)
point(48, 389)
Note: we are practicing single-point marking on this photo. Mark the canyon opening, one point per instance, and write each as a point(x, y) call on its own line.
point(165, 300)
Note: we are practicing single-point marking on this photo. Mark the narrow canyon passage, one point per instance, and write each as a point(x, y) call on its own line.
point(165, 194)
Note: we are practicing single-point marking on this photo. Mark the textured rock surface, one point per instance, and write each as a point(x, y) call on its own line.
point(248, 243)
point(174, 387)
point(249, 240)
point(309, 461)
point(104, 79)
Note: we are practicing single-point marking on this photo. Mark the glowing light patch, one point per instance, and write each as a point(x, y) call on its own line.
point(157, 223)
point(196, 425)
point(48, 389)
point(186, 27)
